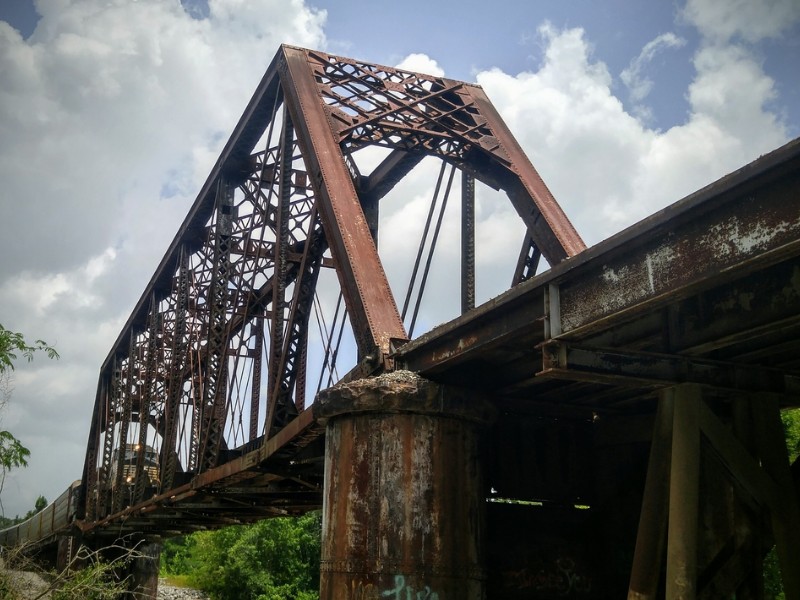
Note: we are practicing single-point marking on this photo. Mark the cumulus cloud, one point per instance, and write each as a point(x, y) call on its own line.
point(724, 20)
point(606, 168)
point(421, 63)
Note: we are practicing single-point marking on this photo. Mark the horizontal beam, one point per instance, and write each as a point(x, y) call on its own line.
point(734, 226)
point(740, 225)
point(484, 327)
point(563, 360)
point(386, 175)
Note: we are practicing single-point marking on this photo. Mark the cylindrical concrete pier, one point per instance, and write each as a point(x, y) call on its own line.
point(404, 504)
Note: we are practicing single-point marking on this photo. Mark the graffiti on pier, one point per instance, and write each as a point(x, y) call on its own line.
point(561, 579)
point(401, 591)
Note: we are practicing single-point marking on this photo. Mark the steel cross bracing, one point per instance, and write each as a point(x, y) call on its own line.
point(230, 307)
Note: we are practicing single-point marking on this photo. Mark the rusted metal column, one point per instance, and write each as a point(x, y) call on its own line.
point(404, 500)
point(650, 539)
point(684, 496)
point(467, 242)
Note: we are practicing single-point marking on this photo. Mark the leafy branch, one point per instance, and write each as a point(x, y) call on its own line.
point(13, 343)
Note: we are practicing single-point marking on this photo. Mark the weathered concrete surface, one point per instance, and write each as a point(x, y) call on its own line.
point(404, 500)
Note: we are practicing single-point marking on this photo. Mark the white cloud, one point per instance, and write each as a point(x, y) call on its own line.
point(574, 129)
point(635, 77)
point(421, 63)
point(722, 20)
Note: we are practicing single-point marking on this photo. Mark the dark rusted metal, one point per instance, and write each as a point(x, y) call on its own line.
point(652, 533)
point(178, 365)
point(528, 261)
point(467, 242)
point(404, 496)
point(574, 362)
point(212, 410)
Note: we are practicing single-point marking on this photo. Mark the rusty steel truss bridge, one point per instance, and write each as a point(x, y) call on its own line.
point(607, 427)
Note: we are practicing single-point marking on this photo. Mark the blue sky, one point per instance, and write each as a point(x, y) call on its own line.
point(112, 112)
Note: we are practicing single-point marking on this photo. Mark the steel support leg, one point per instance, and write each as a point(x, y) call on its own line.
point(684, 495)
point(144, 572)
point(651, 537)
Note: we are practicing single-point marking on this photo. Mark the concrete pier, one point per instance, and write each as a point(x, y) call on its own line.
point(404, 500)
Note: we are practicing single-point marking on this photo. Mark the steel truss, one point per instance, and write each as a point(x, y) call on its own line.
point(229, 308)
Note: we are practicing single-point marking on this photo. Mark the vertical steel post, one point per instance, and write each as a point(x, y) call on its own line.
point(404, 500)
point(146, 398)
point(467, 242)
point(684, 495)
point(112, 396)
point(88, 500)
point(257, 329)
point(650, 539)
point(178, 365)
point(144, 572)
point(528, 260)
point(120, 490)
point(214, 384)
point(752, 588)
point(277, 334)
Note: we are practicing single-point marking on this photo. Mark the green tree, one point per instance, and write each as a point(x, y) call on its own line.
point(269, 560)
point(12, 344)
point(39, 506)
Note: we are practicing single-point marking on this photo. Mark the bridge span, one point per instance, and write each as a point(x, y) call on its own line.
point(609, 426)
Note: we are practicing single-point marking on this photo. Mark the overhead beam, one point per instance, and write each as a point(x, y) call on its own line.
point(742, 223)
point(465, 337)
point(388, 173)
point(563, 360)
